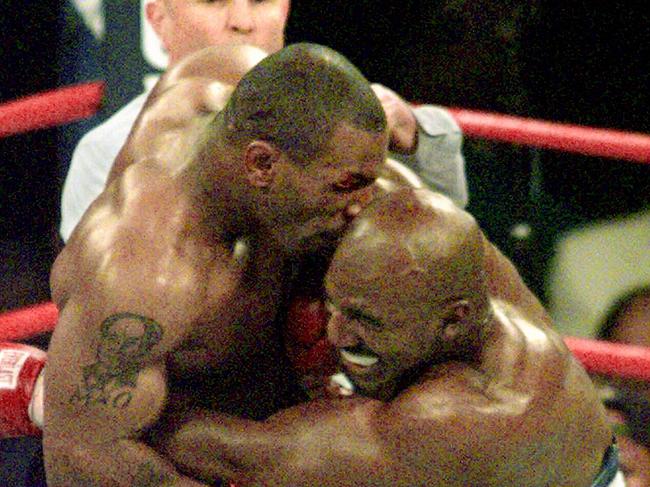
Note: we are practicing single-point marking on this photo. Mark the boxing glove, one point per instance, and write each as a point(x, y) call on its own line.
point(20, 368)
point(306, 337)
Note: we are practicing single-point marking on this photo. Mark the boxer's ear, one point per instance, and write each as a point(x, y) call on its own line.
point(260, 161)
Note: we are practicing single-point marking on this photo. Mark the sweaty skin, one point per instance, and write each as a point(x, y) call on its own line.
point(167, 292)
point(458, 388)
point(134, 284)
point(169, 287)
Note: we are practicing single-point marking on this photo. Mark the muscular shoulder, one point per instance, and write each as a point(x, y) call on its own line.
point(138, 241)
point(114, 130)
point(395, 175)
point(225, 63)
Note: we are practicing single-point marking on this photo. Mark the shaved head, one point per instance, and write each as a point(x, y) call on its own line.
point(407, 289)
point(297, 97)
point(415, 248)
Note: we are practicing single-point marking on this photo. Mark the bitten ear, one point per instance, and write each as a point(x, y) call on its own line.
point(454, 319)
point(260, 159)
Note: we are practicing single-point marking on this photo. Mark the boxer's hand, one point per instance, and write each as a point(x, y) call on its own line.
point(20, 368)
point(402, 125)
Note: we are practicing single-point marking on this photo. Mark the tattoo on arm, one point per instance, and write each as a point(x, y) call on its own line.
point(126, 342)
point(148, 475)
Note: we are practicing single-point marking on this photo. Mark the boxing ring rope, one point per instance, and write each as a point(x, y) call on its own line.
point(588, 141)
point(71, 103)
point(51, 108)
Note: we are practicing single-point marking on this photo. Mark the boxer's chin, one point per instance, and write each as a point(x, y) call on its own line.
point(373, 387)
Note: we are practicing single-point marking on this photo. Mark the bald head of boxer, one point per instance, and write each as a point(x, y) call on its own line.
point(407, 289)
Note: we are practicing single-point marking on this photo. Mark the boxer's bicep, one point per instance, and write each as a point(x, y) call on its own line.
point(107, 365)
point(105, 384)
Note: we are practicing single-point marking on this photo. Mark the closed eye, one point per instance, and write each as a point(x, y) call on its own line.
point(358, 315)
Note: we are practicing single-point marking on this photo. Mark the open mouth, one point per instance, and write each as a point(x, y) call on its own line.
point(358, 360)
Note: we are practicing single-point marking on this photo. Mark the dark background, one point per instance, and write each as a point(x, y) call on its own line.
point(575, 61)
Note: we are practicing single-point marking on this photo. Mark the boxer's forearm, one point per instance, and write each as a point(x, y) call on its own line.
point(315, 443)
point(120, 463)
point(215, 447)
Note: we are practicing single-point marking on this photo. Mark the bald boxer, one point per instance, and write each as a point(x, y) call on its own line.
point(441, 384)
point(174, 276)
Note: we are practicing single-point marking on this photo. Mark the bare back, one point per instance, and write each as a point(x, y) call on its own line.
point(525, 414)
point(147, 210)
point(184, 97)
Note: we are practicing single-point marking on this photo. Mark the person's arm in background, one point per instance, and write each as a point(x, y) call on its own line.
point(427, 140)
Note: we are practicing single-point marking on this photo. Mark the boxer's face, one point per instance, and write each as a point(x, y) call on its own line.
point(313, 204)
point(380, 325)
point(186, 26)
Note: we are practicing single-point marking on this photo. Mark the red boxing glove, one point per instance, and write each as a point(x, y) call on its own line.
point(20, 366)
point(306, 337)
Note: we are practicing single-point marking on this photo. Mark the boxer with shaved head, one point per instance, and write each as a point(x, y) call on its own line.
point(440, 384)
point(175, 274)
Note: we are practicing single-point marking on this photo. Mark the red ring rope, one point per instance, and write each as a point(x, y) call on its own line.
point(599, 357)
point(21, 324)
point(50, 108)
point(630, 146)
point(80, 101)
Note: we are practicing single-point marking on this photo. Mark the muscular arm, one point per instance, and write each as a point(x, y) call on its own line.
point(105, 387)
point(123, 310)
point(106, 384)
point(457, 427)
point(327, 442)
point(428, 436)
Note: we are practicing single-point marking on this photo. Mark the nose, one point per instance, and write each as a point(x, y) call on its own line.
point(240, 17)
point(339, 332)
